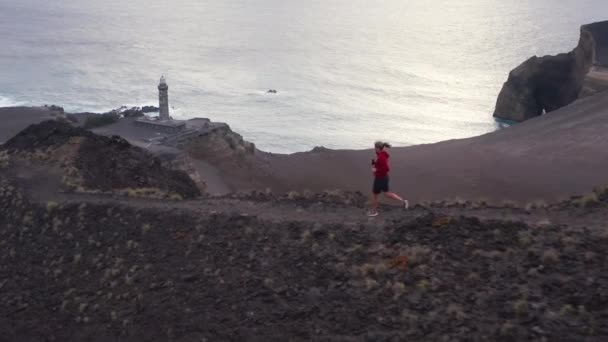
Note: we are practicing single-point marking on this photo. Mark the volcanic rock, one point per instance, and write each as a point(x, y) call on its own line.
point(100, 162)
point(544, 84)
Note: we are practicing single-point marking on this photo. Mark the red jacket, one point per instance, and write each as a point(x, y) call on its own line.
point(381, 164)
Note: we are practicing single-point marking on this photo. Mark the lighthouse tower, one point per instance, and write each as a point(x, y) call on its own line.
point(163, 100)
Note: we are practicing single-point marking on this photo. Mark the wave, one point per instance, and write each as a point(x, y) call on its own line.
point(8, 102)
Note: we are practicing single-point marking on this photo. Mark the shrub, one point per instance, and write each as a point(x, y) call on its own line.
point(134, 112)
point(94, 121)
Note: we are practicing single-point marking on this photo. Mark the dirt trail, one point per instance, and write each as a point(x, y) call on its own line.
point(42, 183)
point(278, 210)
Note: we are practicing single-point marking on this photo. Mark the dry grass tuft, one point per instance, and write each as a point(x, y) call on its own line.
point(154, 193)
point(369, 269)
point(370, 283)
point(509, 204)
point(294, 195)
point(521, 307)
point(306, 235)
point(176, 197)
point(51, 206)
point(143, 192)
point(550, 256)
point(538, 204)
point(524, 239)
point(456, 202)
point(442, 221)
point(589, 200)
point(544, 223)
point(567, 310)
point(398, 289)
point(601, 191)
point(4, 159)
point(145, 228)
point(424, 285)
point(507, 329)
point(455, 311)
point(418, 255)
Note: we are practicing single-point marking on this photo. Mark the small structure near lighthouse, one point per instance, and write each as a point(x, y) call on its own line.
point(163, 100)
point(161, 129)
point(164, 122)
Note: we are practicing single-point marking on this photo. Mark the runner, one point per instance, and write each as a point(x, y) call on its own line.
point(381, 179)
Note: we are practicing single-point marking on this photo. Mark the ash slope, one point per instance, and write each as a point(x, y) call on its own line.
point(91, 267)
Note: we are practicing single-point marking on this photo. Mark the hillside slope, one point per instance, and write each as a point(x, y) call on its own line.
point(549, 157)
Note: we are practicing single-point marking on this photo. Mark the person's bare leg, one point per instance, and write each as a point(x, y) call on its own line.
point(375, 202)
point(374, 210)
point(396, 197)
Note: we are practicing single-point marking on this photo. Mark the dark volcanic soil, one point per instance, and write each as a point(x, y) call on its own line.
point(100, 162)
point(103, 271)
point(84, 266)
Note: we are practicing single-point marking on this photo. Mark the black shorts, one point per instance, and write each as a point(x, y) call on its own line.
point(380, 185)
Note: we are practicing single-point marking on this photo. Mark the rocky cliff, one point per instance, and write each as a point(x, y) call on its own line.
point(544, 84)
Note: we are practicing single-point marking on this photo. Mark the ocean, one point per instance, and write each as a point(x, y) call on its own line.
point(346, 72)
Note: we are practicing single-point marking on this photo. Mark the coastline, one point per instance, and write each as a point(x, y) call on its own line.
point(544, 158)
point(548, 158)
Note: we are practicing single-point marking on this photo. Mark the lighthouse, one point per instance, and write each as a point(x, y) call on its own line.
point(164, 123)
point(163, 100)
